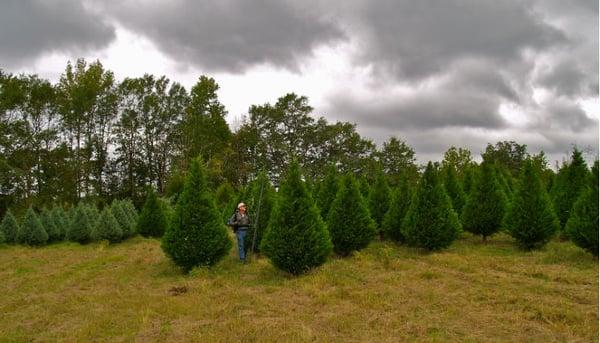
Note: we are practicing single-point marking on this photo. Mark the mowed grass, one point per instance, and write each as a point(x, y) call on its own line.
point(471, 292)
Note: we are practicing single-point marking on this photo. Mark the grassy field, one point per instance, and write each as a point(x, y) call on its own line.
point(472, 292)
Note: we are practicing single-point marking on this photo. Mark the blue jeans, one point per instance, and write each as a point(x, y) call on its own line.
point(241, 237)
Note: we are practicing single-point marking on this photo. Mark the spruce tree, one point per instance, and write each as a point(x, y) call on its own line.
point(126, 225)
point(570, 181)
point(349, 221)
point(9, 227)
point(49, 224)
point(296, 239)
point(453, 188)
point(379, 200)
point(197, 236)
point(530, 218)
point(131, 211)
point(93, 213)
point(431, 222)
point(107, 227)
point(61, 221)
point(80, 228)
point(31, 231)
point(267, 201)
point(467, 182)
point(365, 187)
point(582, 226)
point(327, 191)
point(392, 221)
point(152, 221)
point(486, 204)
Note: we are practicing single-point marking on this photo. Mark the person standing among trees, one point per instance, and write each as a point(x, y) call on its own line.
point(240, 221)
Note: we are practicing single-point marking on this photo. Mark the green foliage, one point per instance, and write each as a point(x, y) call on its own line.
point(31, 231)
point(569, 182)
point(467, 180)
point(80, 229)
point(130, 210)
point(196, 236)
point(453, 188)
point(61, 221)
point(365, 188)
point(379, 199)
point(486, 204)
point(392, 222)
point(328, 189)
point(49, 225)
point(431, 223)
point(126, 223)
point(530, 218)
point(107, 227)
point(349, 221)
point(297, 239)
point(507, 154)
point(2, 238)
point(582, 226)
point(269, 197)
point(152, 221)
point(9, 227)
point(223, 195)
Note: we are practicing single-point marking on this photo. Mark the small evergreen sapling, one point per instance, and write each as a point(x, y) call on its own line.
point(31, 231)
point(454, 189)
point(431, 222)
point(392, 222)
point(47, 220)
point(569, 182)
point(379, 200)
point(80, 229)
point(267, 202)
point(60, 221)
point(152, 221)
point(9, 227)
point(327, 191)
point(530, 219)
point(107, 227)
point(297, 239)
point(582, 226)
point(125, 223)
point(197, 236)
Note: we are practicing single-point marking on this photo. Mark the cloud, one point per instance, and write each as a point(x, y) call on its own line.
point(30, 28)
point(230, 35)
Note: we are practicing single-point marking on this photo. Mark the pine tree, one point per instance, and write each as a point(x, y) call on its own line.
point(486, 204)
point(569, 182)
point(297, 239)
point(61, 221)
point(431, 222)
point(454, 189)
point(392, 221)
point(131, 211)
point(582, 226)
point(349, 221)
point(379, 200)
point(467, 181)
point(327, 191)
point(107, 227)
point(152, 221)
point(31, 231)
point(9, 227)
point(49, 225)
point(126, 225)
point(530, 218)
point(267, 201)
point(365, 187)
point(93, 214)
point(196, 236)
point(80, 229)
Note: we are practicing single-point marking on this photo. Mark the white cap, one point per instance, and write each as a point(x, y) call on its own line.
point(241, 204)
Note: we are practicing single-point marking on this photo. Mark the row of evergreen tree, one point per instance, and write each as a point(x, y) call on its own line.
point(83, 223)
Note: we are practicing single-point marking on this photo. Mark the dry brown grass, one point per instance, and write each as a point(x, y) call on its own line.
point(472, 292)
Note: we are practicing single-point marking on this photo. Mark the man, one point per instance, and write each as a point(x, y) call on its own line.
point(240, 221)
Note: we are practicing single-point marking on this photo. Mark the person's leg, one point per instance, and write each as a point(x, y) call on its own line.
point(241, 235)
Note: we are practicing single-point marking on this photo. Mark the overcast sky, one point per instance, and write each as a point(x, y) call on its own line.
point(434, 73)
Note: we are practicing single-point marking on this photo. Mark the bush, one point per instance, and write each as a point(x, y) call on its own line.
point(350, 224)
point(107, 227)
point(152, 221)
point(530, 218)
point(392, 221)
point(49, 224)
point(196, 236)
point(80, 229)
point(486, 204)
point(431, 223)
point(582, 226)
point(297, 239)
point(379, 200)
point(31, 231)
point(9, 227)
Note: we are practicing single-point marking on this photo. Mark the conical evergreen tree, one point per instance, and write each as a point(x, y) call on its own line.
point(392, 221)
point(297, 239)
point(196, 236)
point(80, 229)
point(49, 225)
point(365, 187)
point(530, 218)
point(582, 226)
point(107, 227)
point(31, 231)
point(93, 214)
point(131, 211)
point(467, 181)
point(152, 221)
point(379, 200)
point(570, 181)
point(454, 189)
point(9, 227)
point(223, 195)
point(267, 201)
point(431, 222)
point(60, 221)
point(125, 224)
point(486, 204)
point(349, 221)
point(327, 191)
